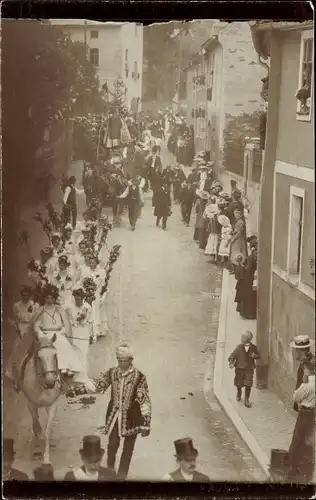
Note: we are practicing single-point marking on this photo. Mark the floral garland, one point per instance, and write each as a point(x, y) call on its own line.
point(114, 255)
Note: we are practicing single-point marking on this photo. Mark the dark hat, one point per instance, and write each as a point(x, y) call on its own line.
point(91, 446)
point(185, 449)
point(79, 293)
point(8, 446)
point(63, 259)
point(52, 290)
point(25, 290)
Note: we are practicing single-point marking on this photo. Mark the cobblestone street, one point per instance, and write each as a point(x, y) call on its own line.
point(164, 299)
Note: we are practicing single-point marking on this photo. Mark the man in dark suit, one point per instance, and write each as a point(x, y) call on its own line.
point(10, 474)
point(186, 456)
point(91, 456)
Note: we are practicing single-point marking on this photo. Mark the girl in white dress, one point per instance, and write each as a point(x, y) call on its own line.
point(210, 213)
point(226, 233)
point(57, 251)
point(97, 274)
point(69, 244)
point(80, 317)
point(63, 279)
point(80, 255)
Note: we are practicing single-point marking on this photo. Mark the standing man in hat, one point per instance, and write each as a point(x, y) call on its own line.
point(302, 448)
point(243, 360)
point(302, 345)
point(70, 202)
point(91, 455)
point(177, 180)
point(186, 456)
point(10, 474)
point(129, 410)
point(134, 199)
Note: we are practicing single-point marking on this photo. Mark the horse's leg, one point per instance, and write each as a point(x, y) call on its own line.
point(51, 414)
point(37, 430)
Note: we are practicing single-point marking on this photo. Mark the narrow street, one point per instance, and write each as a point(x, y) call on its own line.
point(164, 299)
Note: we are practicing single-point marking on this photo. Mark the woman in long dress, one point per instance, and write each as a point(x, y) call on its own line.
point(80, 317)
point(63, 279)
point(210, 213)
point(51, 322)
point(97, 274)
point(238, 239)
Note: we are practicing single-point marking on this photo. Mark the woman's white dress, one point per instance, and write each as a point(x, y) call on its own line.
point(64, 280)
point(224, 250)
point(98, 307)
point(51, 321)
point(81, 321)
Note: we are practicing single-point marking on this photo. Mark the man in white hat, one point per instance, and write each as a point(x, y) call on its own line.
point(129, 410)
point(302, 448)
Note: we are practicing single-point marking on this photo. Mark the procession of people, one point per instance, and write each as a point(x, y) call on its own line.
point(65, 303)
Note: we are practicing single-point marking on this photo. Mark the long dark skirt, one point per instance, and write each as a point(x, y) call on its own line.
point(198, 233)
point(203, 240)
point(302, 448)
point(238, 296)
point(248, 298)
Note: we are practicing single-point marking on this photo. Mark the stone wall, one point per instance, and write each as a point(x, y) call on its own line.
point(293, 314)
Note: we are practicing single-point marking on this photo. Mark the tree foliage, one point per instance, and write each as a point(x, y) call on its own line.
point(162, 54)
point(43, 74)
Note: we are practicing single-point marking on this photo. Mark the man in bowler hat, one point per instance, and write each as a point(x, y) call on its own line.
point(91, 455)
point(10, 474)
point(186, 456)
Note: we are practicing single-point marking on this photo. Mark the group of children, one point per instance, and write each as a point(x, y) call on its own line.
point(72, 274)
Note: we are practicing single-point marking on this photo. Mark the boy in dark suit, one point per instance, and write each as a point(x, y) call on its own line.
point(243, 359)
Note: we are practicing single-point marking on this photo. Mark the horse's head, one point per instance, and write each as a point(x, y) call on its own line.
point(46, 360)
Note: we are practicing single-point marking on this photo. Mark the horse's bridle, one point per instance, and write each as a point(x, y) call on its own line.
point(37, 362)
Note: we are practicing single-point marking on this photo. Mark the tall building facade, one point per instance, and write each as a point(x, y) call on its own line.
point(286, 287)
point(115, 49)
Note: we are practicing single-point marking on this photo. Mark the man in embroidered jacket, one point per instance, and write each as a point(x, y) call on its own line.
point(129, 410)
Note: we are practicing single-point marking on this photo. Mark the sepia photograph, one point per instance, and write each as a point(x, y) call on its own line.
point(158, 278)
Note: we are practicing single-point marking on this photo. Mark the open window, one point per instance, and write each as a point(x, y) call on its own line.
point(305, 83)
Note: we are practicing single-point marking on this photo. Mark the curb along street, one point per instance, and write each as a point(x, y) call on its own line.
point(219, 390)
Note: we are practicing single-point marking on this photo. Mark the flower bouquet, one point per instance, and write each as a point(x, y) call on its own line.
point(90, 288)
point(114, 255)
point(82, 315)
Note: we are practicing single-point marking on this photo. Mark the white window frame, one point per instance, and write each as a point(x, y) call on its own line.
point(306, 35)
point(294, 278)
